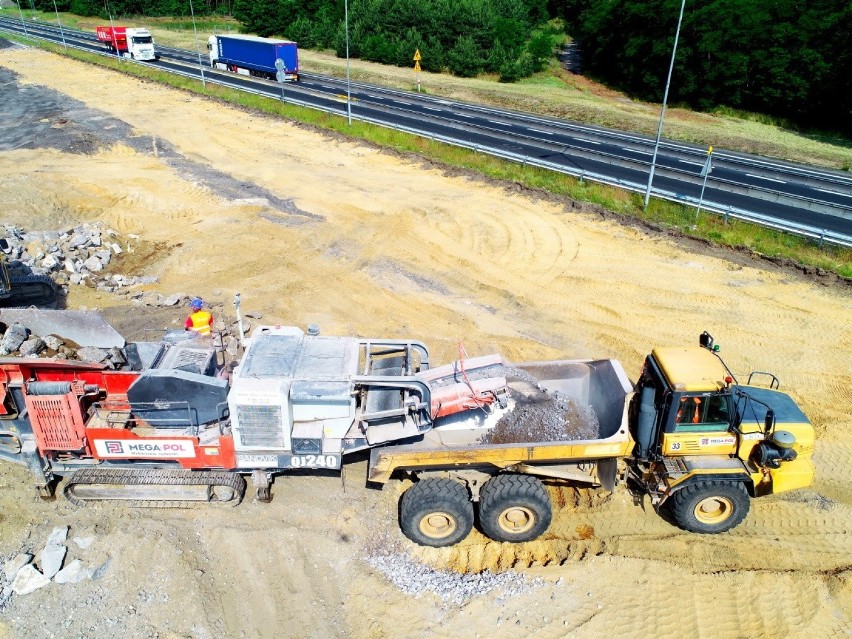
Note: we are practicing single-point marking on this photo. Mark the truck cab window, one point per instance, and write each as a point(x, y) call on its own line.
point(702, 413)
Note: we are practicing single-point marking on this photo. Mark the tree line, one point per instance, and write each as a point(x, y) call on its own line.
point(512, 38)
point(106, 8)
point(786, 58)
point(466, 37)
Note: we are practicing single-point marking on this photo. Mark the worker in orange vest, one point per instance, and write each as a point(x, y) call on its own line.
point(199, 321)
point(696, 410)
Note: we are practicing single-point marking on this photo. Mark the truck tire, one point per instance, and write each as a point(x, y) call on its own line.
point(436, 513)
point(514, 508)
point(710, 507)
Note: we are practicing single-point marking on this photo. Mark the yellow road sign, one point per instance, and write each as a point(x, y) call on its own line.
point(417, 57)
point(417, 66)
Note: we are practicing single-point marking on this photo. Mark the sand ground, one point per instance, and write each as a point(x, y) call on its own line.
point(313, 229)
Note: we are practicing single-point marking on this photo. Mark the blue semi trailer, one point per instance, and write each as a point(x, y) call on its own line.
point(251, 55)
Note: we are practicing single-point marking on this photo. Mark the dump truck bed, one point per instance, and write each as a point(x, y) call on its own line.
point(601, 386)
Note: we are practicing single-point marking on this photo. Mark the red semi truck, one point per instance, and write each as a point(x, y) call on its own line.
point(134, 43)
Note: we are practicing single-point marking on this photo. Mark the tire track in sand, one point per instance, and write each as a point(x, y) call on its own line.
point(506, 252)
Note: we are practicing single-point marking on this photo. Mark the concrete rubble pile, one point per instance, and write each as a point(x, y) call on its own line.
point(18, 340)
point(27, 572)
point(77, 255)
point(87, 255)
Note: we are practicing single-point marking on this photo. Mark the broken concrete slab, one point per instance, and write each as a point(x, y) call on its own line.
point(51, 558)
point(33, 346)
point(13, 566)
point(52, 342)
point(15, 334)
point(84, 542)
point(100, 571)
point(92, 354)
point(73, 573)
point(57, 536)
point(28, 580)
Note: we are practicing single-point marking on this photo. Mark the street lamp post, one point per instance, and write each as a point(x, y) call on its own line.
point(663, 110)
point(112, 26)
point(348, 77)
point(197, 49)
point(705, 171)
point(61, 32)
point(23, 22)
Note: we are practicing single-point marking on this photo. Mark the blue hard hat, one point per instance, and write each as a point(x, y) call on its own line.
point(196, 302)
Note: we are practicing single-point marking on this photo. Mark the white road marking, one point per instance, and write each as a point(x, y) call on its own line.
point(589, 141)
point(834, 192)
point(434, 109)
point(500, 123)
point(464, 115)
point(624, 148)
point(760, 177)
point(540, 131)
point(401, 102)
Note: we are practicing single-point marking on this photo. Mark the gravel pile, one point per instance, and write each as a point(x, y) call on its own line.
point(415, 578)
point(540, 416)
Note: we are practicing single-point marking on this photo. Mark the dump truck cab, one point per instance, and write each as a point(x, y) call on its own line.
point(704, 439)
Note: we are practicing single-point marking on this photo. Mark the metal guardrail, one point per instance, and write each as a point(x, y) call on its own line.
point(821, 235)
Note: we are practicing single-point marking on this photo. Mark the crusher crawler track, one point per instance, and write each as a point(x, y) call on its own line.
point(155, 488)
point(31, 290)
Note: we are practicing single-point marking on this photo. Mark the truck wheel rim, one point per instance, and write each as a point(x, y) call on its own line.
point(438, 525)
point(713, 510)
point(516, 520)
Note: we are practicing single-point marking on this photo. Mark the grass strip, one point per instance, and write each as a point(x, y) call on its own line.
point(662, 214)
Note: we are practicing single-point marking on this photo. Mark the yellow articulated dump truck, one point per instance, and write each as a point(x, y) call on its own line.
point(687, 435)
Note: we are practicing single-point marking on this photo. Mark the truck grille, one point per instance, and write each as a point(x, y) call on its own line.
point(260, 426)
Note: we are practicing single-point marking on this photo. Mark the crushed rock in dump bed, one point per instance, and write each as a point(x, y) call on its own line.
point(541, 416)
point(415, 578)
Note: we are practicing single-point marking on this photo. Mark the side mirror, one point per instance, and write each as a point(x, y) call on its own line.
point(4, 244)
point(769, 422)
point(706, 340)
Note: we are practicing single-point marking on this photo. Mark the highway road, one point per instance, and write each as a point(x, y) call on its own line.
point(805, 200)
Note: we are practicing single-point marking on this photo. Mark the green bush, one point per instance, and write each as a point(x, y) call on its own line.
point(465, 58)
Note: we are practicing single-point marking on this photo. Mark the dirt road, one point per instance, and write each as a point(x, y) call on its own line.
point(313, 229)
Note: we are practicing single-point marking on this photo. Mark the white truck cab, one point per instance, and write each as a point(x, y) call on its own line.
point(140, 44)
